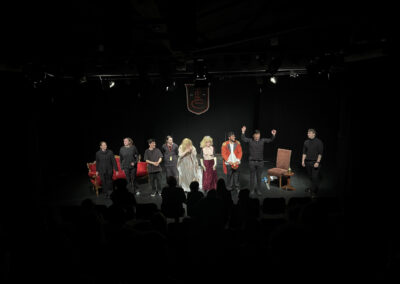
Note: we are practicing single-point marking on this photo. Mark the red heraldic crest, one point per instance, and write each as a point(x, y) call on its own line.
point(197, 98)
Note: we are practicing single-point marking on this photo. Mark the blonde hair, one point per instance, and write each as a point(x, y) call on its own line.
point(205, 140)
point(186, 143)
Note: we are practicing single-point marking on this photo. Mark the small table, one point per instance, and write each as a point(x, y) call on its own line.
point(288, 175)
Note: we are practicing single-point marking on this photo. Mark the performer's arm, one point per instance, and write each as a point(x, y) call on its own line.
point(97, 164)
point(320, 150)
point(114, 162)
point(121, 157)
point(303, 158)
point(150, 162)
point(183, 153)
point(160, 158)
point(269, 140)
point(146, 158)
point(244, 138)
point(202, 164)
point(215, 160)
point(135, 154)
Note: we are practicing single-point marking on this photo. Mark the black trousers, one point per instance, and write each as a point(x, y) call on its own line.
point(232, 178)
point(172, 172)
point(256, 168)
point(155, 181)
point(313, 174)
point(131, 176)
point(107, 182)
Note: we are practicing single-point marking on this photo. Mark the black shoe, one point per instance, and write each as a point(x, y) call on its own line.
point(307, 189)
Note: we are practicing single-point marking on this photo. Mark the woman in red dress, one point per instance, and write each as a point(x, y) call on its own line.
point(208, 163)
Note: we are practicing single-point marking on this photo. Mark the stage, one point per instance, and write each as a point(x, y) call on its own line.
point(72, 189)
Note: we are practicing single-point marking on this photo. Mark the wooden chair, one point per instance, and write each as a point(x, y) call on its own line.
point(282, 168)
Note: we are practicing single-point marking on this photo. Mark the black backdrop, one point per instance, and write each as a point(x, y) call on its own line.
point(81, 116)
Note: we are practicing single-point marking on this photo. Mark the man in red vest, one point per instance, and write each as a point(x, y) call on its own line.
point(231, 151)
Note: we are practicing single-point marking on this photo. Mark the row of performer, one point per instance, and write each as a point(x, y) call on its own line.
point(181, 161)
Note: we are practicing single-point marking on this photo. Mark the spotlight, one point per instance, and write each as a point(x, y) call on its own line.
point(111, 84)
point(273, 80)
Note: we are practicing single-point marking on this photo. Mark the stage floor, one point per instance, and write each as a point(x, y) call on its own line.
point(72, 189)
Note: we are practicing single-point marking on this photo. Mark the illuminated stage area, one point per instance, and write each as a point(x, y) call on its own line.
point(78, 188)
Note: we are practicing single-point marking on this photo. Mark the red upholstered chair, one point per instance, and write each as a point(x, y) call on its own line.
point(96, 181)
point(141, 169)
point(282, 165)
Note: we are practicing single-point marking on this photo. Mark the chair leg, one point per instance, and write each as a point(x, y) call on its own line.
point(280, 182)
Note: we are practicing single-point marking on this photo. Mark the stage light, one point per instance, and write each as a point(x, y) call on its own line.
point(273, 80)
point(111, 84)
point(170, 86)
point(200, 70)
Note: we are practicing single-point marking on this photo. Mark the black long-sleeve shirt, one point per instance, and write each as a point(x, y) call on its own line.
point(105, 161)
point(127, 156)
point(170, 156)
point(312, 148)
point(256, 148)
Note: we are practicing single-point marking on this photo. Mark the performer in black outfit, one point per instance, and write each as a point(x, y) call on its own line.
point(105, 162)
point(170, 152)
point(153, 158)
point(256, 157)
point(311, 159)
point(128, 155)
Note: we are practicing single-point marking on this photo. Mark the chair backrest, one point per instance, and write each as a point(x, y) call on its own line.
point(283, 158)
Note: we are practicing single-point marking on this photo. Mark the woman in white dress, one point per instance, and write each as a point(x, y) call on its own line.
point(187, 164)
